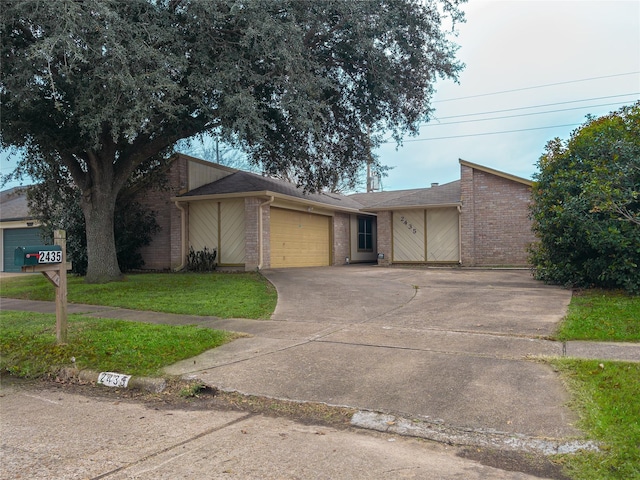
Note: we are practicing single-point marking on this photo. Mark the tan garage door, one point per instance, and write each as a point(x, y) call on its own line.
point(299, 239)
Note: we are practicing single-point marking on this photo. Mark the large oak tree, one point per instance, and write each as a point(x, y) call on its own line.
point(99, 86)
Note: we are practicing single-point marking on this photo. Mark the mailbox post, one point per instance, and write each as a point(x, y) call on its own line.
point(51, 261)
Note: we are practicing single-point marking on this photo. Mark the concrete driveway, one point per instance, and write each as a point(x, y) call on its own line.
point(489, 301)
point(452, 348)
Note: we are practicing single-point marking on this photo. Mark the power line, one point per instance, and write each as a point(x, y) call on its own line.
point(519, 115)
point(486, 133)
point(539, 106)
point(534, 87)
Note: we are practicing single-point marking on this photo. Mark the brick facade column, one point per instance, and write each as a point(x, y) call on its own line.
point(384, 236)
point(251, 226)
point(341, 244)
point(467, 217)
point(165, 250)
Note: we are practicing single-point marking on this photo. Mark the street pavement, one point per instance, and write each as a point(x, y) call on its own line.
point(49, 433)
point(444, 354)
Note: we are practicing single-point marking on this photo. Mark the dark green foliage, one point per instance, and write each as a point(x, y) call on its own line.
point(57, 205)
point(101, 86)
point(134, 228)
point(202, 260)
point(586, 205)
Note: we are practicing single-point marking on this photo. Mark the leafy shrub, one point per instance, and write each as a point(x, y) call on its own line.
point(202, 260)
point(586, 205)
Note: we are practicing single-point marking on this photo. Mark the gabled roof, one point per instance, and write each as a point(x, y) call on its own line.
point(242, 183)
point(250, 183)
point(13, 205)
point(439, 195)
point(498, 173)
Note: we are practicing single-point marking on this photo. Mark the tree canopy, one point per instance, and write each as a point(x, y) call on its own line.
point(586, 205)
point(101, 86)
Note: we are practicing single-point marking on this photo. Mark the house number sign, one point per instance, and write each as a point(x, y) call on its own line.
point(409, 225)
point(110, 379)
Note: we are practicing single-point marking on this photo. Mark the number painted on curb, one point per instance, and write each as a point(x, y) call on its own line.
point(110, 379)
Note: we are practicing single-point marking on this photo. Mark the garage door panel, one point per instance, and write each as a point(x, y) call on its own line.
point(203, 225)
point(408, 236)
point(299, 239)
point(18, 237)
point(442, 235)
point(232, 232)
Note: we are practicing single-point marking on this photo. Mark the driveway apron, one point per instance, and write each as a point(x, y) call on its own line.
point(449, 346)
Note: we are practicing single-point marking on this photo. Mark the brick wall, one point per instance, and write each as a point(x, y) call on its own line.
point(467, 217)
point(384, 237)
point(495, 224)
point(165, 250)
point(340, 239)
point(252, 244)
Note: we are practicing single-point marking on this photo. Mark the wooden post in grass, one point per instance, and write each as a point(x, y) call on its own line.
point(52, 263)
point(60, 238)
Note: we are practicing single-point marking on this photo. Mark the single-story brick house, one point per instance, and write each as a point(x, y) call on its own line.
point(257, 222)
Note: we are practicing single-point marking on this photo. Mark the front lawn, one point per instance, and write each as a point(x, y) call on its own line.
point(224, 295)
point(28, 344)
point(28, 340)
point(602, 315)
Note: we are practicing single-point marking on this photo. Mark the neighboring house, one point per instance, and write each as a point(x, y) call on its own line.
point(17, 226)
point(256, 222)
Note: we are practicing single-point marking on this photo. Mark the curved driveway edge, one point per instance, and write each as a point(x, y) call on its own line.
point(448, 346)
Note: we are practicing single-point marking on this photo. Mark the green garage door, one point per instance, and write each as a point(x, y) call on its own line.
point(17, 237)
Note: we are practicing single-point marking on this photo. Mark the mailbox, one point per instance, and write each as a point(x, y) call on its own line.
point(38, 255)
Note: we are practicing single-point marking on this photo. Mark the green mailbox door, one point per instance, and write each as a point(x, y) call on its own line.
point(38, 255)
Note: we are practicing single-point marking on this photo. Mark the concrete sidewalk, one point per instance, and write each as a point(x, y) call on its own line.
point(452, 351)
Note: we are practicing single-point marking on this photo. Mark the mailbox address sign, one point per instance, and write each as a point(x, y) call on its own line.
point(46, 256)
point(38, 255)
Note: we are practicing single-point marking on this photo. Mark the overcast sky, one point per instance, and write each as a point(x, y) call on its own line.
point(590, 50)
point(519, 44)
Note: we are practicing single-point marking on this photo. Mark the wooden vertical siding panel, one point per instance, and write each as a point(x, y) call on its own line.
point(443, 238)
point(203, 225)
point(232, 232)
point(408, 236)
point(201, 173)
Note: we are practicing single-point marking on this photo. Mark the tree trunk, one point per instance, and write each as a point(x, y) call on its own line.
point(98, 207)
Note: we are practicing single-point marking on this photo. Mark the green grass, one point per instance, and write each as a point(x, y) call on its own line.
point(602, 315)
point(224, 295)
point(606, 396)
point(28, 344)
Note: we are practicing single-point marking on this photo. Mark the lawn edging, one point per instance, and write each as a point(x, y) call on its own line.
point(148, 384)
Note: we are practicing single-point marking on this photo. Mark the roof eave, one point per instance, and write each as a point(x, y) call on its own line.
point(265, 194)
point(498, 173)
point(412, 207)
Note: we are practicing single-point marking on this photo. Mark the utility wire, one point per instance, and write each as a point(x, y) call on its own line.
point(432, 124)
point(486, 133)
point(539, 106)
point(534, 87)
